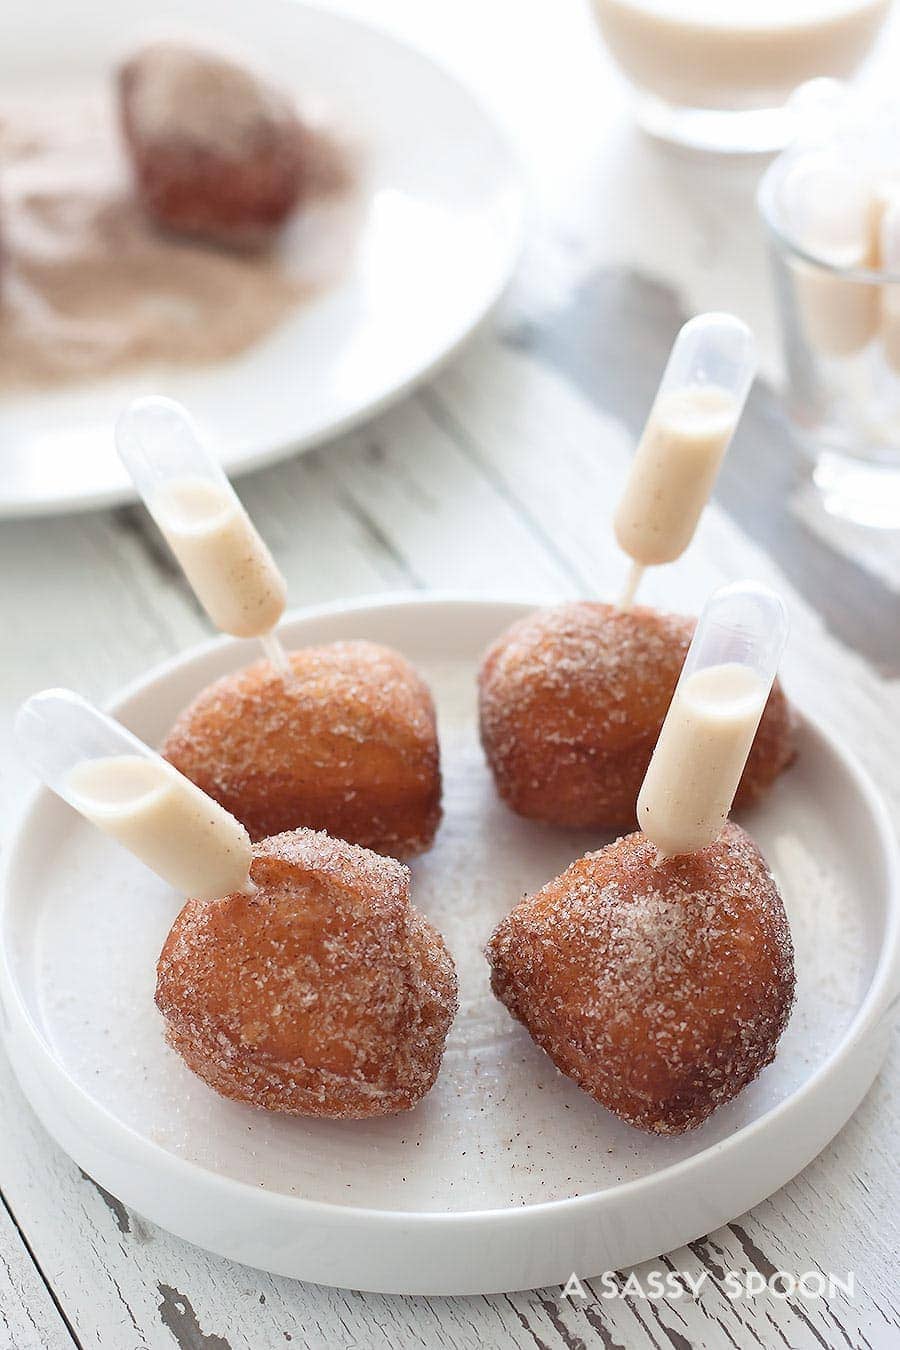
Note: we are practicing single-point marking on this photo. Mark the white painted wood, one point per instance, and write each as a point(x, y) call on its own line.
point(28, 1318)
point(508, 457)
point(501, 477)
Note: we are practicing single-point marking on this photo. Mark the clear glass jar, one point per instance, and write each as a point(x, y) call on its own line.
point(840, 329)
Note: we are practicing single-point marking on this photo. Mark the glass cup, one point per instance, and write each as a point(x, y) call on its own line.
point(841, 344)
point(718, 74)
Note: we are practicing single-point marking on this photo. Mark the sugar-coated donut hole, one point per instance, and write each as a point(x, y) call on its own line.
point(215, 150)
point(661, 986)
point(348, 745)
point(323, 993)
point(571, 702)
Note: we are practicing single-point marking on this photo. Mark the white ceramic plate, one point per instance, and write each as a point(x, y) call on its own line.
point(439, 206)
point(506, 1176)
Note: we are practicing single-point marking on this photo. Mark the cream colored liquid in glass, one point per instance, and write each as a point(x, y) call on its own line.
point(834, 215)
point(167, 822)
point(229, 567)
point(840, 317)
point(673, 471)
point(700, 756)
point(736, 54)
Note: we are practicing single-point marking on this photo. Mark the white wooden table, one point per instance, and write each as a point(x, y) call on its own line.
point(497, 478)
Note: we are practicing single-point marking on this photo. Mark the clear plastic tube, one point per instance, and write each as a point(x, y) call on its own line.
point(713, 717)
point(712, 351)
point(693, 418)
point(232, 572)
point(131, 793)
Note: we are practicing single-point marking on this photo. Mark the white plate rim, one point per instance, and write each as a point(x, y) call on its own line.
point(470, 327)
point(882, 991)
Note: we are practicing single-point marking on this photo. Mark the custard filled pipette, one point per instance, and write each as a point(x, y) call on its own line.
point(185, 489)
point(716, 708)
point(129, 792)
point(694, 415)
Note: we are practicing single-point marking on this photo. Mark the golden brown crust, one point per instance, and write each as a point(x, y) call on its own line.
point(571, 703)
point(215, 152)
point(324, 994)
point(660, 986)
point(349, 746)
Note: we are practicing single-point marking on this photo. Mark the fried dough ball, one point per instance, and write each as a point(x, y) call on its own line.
point(661, 986)
point(572, 700)
point(349, 745)
point(325, 993)
point(216, 152)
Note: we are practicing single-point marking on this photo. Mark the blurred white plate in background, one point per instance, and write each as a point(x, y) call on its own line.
point(439, 206)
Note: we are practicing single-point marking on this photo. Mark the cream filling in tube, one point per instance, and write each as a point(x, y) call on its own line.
point(223, 557)
point(693, 418)
point(673, 472)
point(698, 761)
point(132, 794)
point(220, 550)
point(713, 717)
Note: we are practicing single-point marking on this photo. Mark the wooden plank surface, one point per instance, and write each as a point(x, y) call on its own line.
point(499, 477)
point(29, 1317)
point(409, 502)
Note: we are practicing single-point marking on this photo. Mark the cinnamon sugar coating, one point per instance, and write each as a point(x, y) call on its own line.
point(325, 993)
point(216, 151)
point(661, 986)
point(571, 703)
point(348, 746)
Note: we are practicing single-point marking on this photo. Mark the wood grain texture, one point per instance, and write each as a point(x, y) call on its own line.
point(498, 478)
point(501, 468)
point(29, 1317)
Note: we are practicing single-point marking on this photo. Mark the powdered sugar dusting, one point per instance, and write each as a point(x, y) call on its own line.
point(324, 993)
point(90, 286)
point(348, 745)
point(571, 702)
point(501, 1126)
point(660, 986)
point(183, 92)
